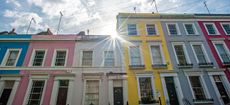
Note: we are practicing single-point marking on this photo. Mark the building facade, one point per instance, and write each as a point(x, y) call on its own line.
point(145, 56)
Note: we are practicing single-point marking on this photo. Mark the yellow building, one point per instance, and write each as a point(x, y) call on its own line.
point(145, 55)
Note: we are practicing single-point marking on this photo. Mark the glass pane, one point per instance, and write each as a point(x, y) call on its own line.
point(92, 92)
point(172, 29)
point(146, 91)
point(189, 28)
point(222, 52)
point(38, 59)
point(197, 87)
point(109, 58)
point(132, 29)
point(135, 55)
point(151, 29)
point(87, 58)
point(60, 58)
point(156, 55)
point(180, 54)
point(199, 53)
point(36, 92)
point(226, 28)
point(210, 28)
point(12, 58)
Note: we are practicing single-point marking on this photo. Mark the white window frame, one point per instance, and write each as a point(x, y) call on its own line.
point(223, 23)
point(185, 51)
point(81, 56)
point(146, 30)
point(84, 90)
point(177, 86)
point(224, 81)
point(214, 26)
point(153, 85)
point(225, 48)
point(33, 56)
point(203, 49)
point(194, 29)
point(7, 56)
point(141, 57)
point(161, 51)
point(127, 29)
point(203, 84)
point(177, 28)
point(42, 78)
point(114, 57)
point(55, 54)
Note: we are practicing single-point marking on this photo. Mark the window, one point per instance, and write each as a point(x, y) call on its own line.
point(60, 58)
point(199, 53)
point(38, 58)
point(92, 92)
point(62, 92)
point(87, 58)
point(6, 91)
point(156, 54)
point(211, 29)
point(226, 27)
point(145, 90)
point(36, 92)
point(172, 29)
point(197, 88)
point(108, 58)
point(180, 54)
point(132, 29)
point(11, 57)
point(222, 52)
point(220, 86)
point(151, 29)
point(190, 29)
point(135, 55)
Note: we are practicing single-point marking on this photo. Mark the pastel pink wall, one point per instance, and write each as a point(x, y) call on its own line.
point(51, 45)
point(209, 37)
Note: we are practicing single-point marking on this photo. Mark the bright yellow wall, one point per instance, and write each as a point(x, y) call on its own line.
point(133, 97)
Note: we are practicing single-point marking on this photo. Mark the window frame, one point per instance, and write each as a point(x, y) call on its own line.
point(203, 50)
point(33, 56)
point(188, 61)
point(152, 84)
point(114, 60)
point(225, 48)
point(81, 60)
point(161, 52)
point(141, 57)
point(214, 27)
point(6, 56)
point(223, 23)
point(155, 27)
point(55, 55)
point(137, 34)
point(194, 29)
point(177, 28)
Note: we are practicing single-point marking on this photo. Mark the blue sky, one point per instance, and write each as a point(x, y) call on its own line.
point(99, 16)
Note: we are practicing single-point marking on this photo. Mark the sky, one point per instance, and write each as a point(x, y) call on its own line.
point(99, 16)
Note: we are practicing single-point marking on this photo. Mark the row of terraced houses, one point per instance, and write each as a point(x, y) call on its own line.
point(157, 59)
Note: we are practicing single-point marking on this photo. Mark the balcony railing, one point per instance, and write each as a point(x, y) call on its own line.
point(185, 65)
point(204, 100)
point(226, 64)
point(136, 66)
point(205, 65)
point(148, 102)
point(157, 66)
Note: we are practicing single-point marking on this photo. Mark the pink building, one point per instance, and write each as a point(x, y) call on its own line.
point(216, 30)
point(46, 74)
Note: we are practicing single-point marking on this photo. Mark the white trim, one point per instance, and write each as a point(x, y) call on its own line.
point(152, 82)
point(203, 84)
point(225, 48)
point(84, 89)
point(194, 29)
point(184, 49)
point(42, 78)
point(33, 56)
point(177, 28)
point(224, 82)
point(214, 26)
point(6, 57)
point(156, 30)
point(222, 23)
point(161, 51)
point(55, 54)
point(203, 50)
point(142, 59)
point(137, 29)
point(176, 84)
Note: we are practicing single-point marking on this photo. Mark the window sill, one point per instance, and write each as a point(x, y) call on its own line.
point(205, 65)
point(153, 102)
point(203, 101)
point(158, 66)
point(192, 34)
point(185, 65)
point(133, 67)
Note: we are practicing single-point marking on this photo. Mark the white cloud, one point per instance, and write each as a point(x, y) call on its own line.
point(16, 3)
